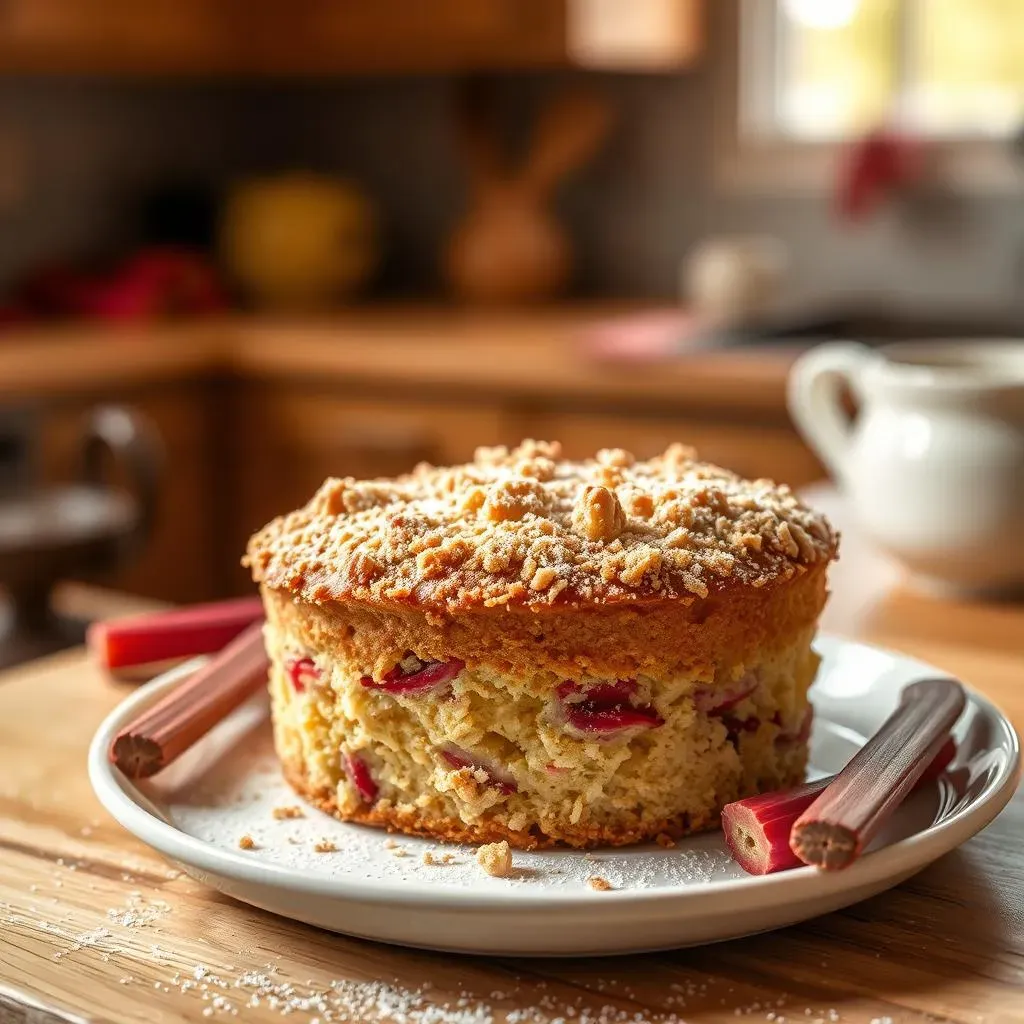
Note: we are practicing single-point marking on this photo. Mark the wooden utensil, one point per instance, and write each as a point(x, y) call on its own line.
point(509, 247)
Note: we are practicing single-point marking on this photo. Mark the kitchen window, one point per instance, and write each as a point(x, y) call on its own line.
point(812, 74)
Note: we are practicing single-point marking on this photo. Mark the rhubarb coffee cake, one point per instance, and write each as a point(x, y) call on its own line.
point(543, 651)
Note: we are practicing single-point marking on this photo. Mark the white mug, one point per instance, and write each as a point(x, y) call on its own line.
point(734, 279)
point(933, 463)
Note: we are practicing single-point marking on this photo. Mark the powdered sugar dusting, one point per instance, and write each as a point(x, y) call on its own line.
point(531, 1000)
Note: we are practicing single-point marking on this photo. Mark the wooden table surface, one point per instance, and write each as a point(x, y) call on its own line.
point(94, 925)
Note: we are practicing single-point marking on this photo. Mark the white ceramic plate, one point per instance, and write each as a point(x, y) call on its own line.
point(381, 888)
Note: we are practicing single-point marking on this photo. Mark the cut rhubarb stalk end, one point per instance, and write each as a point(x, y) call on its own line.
point(302, 673)
point(605, 708)
point(360, 777)
point(179, 719)
point(171, 635)
point(849, 813)
point(458, 758)
point(757, 829)
point(431, 676)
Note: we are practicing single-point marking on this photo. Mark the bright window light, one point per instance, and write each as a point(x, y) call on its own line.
point(942, 68)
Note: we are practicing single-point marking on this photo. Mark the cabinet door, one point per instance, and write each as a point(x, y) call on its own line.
point(355, 36)
point(180, 560)
point(331, 37)
point(288, 441)
point(122, 36)
point(751, 451)
point(286, 37)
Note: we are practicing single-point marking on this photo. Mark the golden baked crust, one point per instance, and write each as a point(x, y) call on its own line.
point(697, 637)
point(524, 528)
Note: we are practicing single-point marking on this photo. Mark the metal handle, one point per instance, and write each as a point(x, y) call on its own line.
point(126, 440)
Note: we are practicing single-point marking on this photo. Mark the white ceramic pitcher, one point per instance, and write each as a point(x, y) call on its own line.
point(933, 463)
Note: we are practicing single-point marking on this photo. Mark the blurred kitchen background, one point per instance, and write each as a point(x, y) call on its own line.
point(247, 244)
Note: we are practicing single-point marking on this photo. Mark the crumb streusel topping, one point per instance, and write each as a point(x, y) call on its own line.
point(525, 527)
point(495, 859)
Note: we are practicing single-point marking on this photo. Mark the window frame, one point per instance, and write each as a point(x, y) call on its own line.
point(753, 155)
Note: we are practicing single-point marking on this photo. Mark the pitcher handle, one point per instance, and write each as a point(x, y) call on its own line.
point(815, 399)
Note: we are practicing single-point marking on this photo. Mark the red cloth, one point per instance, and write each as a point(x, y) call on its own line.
point(878, 165)
point(153, 284)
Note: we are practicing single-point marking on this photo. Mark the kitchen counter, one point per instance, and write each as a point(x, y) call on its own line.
point(370, 393)
point(523, 353)
point(94, 925)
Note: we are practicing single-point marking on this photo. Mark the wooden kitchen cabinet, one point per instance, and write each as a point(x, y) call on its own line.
point(121, 36)
point(352, 36)
point(752, 450)
point(255, 414)
point(288, 439)
point(338, 37)
point(181, 561)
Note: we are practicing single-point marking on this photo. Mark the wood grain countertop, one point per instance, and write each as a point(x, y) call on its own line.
point(94, 925)
point(524, 354)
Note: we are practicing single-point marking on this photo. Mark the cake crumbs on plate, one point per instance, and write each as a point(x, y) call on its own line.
point(437, 860)
point(287, 813)
point(495, 859)
point(599, 883)
point(664, 840)
point(325, 846)
point(247, 842)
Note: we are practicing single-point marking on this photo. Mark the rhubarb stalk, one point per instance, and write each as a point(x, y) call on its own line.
point(757, 828)
point(174, 723)
point(179, 633)
point(851, 810)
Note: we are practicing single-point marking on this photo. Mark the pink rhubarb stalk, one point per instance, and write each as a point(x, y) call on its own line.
point(170, 635)
point(836, 829)
point(757, 829)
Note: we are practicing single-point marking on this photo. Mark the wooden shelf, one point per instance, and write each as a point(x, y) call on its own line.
point(342, 37)
point(523, 355)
